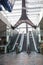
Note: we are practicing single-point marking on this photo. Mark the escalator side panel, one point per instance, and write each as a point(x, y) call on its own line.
point(24, 43)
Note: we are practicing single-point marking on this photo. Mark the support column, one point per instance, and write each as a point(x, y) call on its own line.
point(28, 42)
point(26, 28)
point(5, 49)
point(26, 36)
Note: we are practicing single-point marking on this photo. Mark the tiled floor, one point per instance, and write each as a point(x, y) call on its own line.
point(21, 59)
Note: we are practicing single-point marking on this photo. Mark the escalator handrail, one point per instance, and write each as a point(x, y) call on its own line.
point(16, 41)
point(28, 42)
point(21, 42)
point(34, 41)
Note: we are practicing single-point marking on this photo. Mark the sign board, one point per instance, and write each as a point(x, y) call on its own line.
point(7, 4)
point(0, 7)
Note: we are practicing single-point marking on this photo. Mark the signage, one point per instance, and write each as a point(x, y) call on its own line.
point(0, 8)
point(7, 4)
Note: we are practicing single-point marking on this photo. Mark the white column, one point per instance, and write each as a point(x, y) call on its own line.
point(28, 40)
point(5, 49)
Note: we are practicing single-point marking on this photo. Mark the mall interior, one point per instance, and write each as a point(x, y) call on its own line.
point(21, 32)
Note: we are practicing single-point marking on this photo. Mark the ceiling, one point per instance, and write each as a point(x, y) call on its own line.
point(33, 9)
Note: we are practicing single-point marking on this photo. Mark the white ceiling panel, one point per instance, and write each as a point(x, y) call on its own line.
point(33, 9)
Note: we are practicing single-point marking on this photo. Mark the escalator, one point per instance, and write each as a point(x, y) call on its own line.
point(24, 43)
point(12, 42)
point(36, 39)
point(31, 45)
point(18, 41)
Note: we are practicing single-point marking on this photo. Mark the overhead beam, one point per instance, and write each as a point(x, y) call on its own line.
point(23, 27)
point(39, 2)
point(33, 14)
point(27, 8)
point(20, 15)
point(33, 11)
point(24, 21)
point(34, 7)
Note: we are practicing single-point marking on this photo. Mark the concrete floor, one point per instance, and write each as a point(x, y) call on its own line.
point(21, 59)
